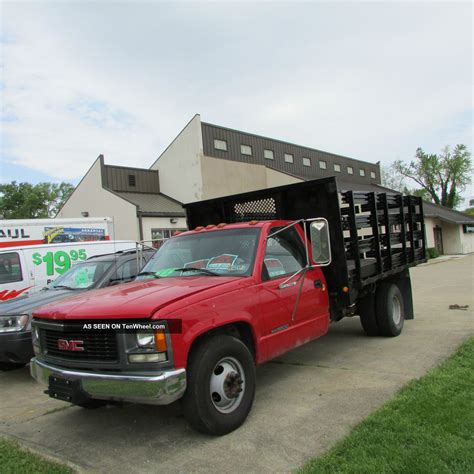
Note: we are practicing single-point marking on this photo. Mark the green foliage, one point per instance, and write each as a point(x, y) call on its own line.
point(432, 252)
point(428, 427)
point(469, 211)
point(442, 177)
point(14, 459)
point(25, 200)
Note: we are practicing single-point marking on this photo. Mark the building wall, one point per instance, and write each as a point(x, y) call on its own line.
point(467, 242)
point(91, 197)
point(454, 240)
point(180, 164)
point(235, 139)
point(223, 177)
point(149, 223)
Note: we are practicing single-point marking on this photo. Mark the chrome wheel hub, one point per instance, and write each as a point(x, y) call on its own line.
point(227, 385)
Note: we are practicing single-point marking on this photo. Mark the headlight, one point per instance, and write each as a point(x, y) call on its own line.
point(13, 323)
point(152, 347)
point(145, 339)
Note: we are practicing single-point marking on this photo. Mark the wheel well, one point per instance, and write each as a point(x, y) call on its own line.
point(239, 330)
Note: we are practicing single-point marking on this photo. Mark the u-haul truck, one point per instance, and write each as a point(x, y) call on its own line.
point(29, 268)
point(22, 232)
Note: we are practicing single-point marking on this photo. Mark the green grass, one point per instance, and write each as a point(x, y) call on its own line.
point(427, 428)
point(14, 459)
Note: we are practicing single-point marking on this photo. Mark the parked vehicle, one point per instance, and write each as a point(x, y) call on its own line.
point(22, 232)
point(100, 271)
point(261, 273)
point(25, 270)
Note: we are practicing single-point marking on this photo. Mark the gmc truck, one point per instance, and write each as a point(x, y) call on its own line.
point(258, 275)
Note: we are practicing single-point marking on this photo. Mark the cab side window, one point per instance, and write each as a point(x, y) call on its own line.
point(125, 273)
point(10, 267)
point(284, 254)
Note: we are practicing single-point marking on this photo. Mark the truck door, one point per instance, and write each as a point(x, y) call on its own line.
point(14, 275)
point(296, 311)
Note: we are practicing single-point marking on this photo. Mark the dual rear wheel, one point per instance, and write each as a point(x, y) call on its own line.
point(383, 313)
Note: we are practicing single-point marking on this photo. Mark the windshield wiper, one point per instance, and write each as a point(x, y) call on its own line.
point(195, 269)
point(149, 274)
point(65, 287)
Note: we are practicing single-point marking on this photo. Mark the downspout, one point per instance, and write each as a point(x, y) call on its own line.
point(140, 225)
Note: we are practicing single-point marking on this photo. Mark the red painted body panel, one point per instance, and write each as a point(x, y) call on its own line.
point(205, 302)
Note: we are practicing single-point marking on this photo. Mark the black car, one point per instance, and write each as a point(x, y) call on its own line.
point(100, 271)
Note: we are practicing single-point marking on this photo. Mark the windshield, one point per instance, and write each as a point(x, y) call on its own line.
point(223, 252)
point(82, 276)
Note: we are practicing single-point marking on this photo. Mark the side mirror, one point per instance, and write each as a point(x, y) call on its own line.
point(320, 241)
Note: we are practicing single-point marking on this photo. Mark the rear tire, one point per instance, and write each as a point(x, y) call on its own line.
point(220, 385)
point(367, 315)
point(389, 309)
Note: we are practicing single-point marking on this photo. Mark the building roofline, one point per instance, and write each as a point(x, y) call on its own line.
point(131, 168)
point(290, 143)
point(174, 139)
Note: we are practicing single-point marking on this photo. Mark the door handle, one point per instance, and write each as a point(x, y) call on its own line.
point(318, 284)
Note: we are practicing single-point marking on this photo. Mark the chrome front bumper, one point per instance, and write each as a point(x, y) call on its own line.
point(160, 389)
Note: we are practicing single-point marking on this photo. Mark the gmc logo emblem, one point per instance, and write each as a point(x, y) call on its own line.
point(65, 345)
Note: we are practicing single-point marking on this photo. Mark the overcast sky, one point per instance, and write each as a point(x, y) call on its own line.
point(371, 81)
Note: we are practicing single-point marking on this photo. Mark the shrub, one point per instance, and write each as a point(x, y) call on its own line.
point(432, 252)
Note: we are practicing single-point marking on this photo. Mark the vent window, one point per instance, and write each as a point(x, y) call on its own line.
point(132, 180)
point(220, 144)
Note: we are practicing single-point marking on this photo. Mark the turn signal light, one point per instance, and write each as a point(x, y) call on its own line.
point(345, 289)
point(253, 222)
point(160, 341)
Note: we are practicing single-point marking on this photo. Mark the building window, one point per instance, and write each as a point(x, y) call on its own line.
point(306, 161)
point(246, 150)
point(132, 180)
point(350, 170)
point(323, 165)
point(220, 144)
point(362, 172)
point(337, 168)
point(372, 174)
point(268, 154)
point(158, 236)
point(288, 157)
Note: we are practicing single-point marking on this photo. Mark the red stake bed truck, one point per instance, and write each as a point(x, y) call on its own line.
point(259, 274)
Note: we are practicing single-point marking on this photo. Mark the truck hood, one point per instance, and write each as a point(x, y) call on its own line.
point(28, 303)
point(132, 300)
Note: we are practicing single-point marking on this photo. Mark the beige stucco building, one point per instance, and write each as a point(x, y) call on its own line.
point(131, 197)
point(206, 161)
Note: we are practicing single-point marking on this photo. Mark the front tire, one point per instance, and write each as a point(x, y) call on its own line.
point(389, 309)
point(220, 385)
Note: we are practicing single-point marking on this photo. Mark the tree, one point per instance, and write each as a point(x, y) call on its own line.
point(443, 176)
point(25, 200)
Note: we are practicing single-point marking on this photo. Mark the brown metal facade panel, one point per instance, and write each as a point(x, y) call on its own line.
point(117, 179)
point(235, 139)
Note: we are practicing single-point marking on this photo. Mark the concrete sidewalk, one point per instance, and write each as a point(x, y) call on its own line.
point(305, 401)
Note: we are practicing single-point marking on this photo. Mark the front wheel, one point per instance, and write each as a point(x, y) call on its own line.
point(220, 385)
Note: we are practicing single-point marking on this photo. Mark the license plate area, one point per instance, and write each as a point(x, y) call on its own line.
point(66, 390)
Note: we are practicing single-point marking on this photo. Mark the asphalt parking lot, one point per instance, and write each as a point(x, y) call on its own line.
point(305, 401)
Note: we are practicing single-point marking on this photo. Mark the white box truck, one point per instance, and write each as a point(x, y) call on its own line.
point(22, 232)
point(29, 268)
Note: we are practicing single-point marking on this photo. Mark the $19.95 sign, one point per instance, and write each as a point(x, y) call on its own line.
point(60, 261)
